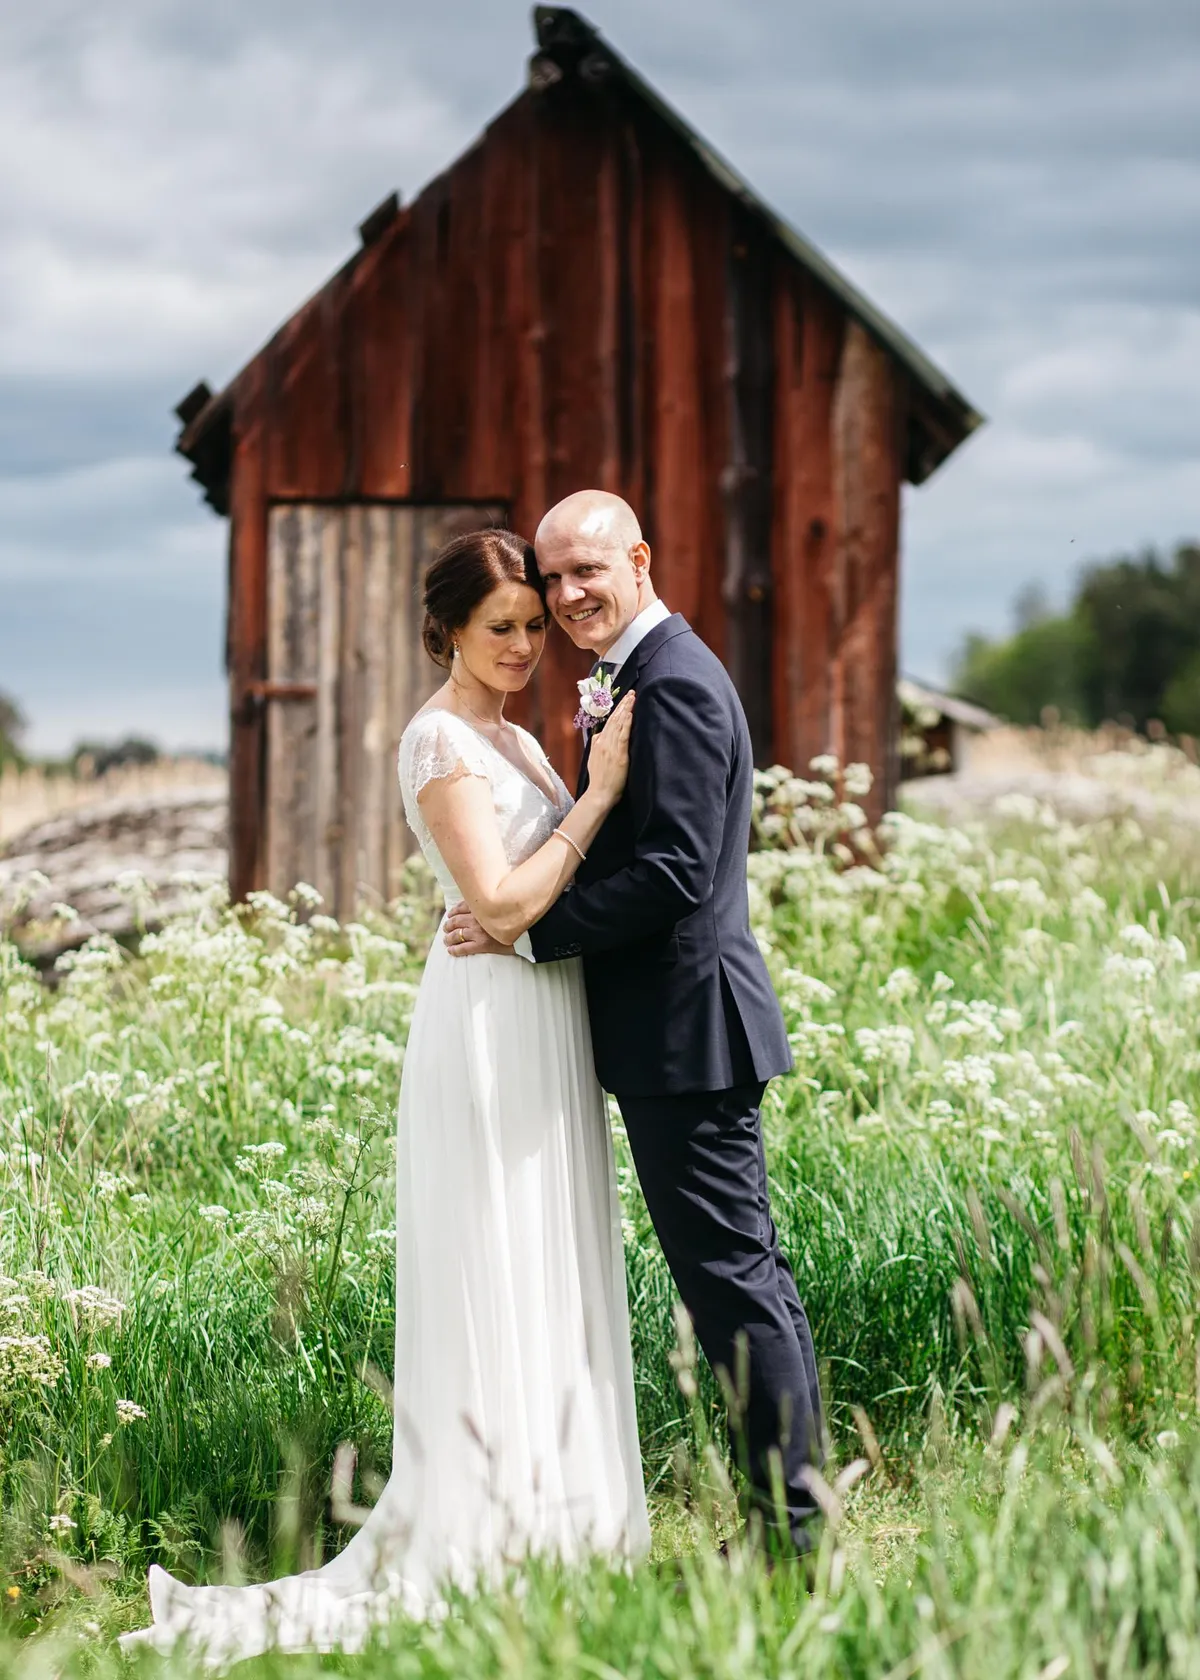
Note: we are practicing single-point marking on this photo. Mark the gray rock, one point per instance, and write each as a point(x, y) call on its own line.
point(84, 855)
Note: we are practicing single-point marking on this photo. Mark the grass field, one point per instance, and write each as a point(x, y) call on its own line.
point(985, 1172)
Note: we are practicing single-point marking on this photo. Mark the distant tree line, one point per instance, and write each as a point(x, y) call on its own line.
point(1126, 650)
point(86, 758)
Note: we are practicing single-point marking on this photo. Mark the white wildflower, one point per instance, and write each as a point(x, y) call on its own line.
point(59, 1523)
point(109, 1185)
point(128, 1411)
point(1138, 937)
point(131, 883)
point(974, 1074)
point(1088, 906)
point(804, 989)
point(27, 1360)
point(98, 1361)
point(900, 985)
point(890, 1046)
point(811, 1040)
point(94, 1308)
point(1140, 971)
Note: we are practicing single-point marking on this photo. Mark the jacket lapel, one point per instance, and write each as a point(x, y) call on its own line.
point(627, 676)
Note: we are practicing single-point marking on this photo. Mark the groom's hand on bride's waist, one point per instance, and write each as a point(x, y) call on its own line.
point(464, 937)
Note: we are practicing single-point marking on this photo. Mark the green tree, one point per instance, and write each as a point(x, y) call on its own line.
point(1041, 666)
point(95, 757)
point(12, 726)
point(1144, 618)
point(1127, 648)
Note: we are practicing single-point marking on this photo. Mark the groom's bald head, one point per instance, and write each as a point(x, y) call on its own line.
point(595, 516)
point(595, 564)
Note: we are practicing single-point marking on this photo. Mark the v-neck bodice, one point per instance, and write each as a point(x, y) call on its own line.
point(438, 744)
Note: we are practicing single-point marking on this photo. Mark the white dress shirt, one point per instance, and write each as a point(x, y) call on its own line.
point(616, 656)
point(634, 632)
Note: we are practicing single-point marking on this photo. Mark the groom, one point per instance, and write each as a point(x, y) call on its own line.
point(686, 1028)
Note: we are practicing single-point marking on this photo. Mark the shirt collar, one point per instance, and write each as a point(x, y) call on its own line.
point(634, 632)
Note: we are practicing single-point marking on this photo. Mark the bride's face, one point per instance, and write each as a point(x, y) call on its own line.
point(502, 641)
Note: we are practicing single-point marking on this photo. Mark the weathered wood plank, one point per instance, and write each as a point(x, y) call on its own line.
point(247, 639)
point(710, 240)
point(380, 347)
point(866, 448)
point(327, 813)
point(303, 409)
point(293, 613)
point(748, 475)
point(808, 339)
point(350, 708)
point(404, 628)
point(503, 418)
point(676, 436)
point(283, 541)
point(575, 354)
point(302, 714)
point(376, 776)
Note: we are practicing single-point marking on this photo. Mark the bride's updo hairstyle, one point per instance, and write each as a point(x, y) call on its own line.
point(465, 573)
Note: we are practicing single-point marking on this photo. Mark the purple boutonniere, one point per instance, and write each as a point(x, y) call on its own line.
point(597, 697)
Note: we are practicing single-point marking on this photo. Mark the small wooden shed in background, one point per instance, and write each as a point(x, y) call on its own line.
point(588, 296)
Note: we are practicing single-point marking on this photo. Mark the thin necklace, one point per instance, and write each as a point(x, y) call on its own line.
point(488, 722)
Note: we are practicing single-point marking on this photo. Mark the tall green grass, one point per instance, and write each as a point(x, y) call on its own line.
point(983, 1171)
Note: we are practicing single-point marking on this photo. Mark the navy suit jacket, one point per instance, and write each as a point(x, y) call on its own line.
point(678, 992)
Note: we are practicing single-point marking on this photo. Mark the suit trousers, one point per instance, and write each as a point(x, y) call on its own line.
point(703, 1172)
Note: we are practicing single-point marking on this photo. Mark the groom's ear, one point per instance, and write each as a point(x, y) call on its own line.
point(640, 555)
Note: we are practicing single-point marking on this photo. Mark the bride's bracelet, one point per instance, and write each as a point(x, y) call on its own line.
point(558, 834)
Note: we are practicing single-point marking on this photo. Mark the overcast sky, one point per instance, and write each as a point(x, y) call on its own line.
point(1016, 183)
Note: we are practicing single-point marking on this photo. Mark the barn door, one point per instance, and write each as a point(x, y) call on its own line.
point(346, 671)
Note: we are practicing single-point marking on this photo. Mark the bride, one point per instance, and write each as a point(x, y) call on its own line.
point(515, 1431)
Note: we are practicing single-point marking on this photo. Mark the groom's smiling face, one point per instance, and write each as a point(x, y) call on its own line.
point(591, 591)
point(597, 580)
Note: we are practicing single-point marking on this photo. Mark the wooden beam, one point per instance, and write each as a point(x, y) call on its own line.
point(196, 401)
point(867, 473)
point(247, 640)
point(808, 343)
point(747, 478)
point(380, 219)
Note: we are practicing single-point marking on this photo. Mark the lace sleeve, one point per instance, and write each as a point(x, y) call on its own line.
point(436, 746)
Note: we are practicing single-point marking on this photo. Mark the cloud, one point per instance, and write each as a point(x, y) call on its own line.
point(1018, 185)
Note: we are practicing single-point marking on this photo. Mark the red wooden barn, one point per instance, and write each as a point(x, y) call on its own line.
point(588, 296)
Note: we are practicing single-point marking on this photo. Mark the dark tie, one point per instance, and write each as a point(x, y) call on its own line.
point(603, 668)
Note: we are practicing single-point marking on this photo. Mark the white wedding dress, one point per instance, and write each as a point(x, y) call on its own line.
point(515, 1429)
